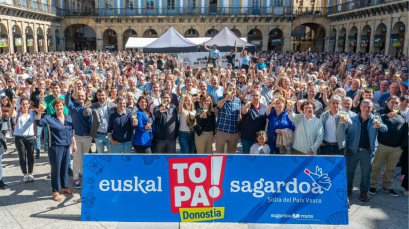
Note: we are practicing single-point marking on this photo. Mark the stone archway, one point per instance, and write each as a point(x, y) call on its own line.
point(309, 37)
point(380, 37)
point(275, 40)
point(191, 33)
point(79, 37)
point(17, 39)
point(30, 41)
point(40, 40)
point(110, 39)
point(332, 40)
point(398, 38)
point(255, 37)
point(127, 34)
point(352, 39)
point(366, 42)
point(4, 39)
point(150, 33)
point(211, 32)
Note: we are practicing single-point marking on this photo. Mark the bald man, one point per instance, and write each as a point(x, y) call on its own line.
point(82, 127)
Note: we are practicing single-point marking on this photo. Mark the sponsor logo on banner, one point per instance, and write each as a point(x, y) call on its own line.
point(200, 59)
point(195, 183)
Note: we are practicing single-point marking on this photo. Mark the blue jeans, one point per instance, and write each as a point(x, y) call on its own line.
point(102, 140)
point(246, 145)
point(123, 147)
point(331, 150)
point(45, 138)
point(38, 140)
point(187, 142)
point(365, 160)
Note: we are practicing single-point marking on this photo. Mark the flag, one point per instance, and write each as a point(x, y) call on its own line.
point(234, 43)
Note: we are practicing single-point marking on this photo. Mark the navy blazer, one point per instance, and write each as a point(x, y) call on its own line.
point(60, 134)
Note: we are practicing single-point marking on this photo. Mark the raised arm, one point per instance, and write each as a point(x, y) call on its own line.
point(205, 47)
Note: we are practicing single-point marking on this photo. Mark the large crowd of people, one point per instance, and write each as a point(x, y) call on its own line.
point(299, 103)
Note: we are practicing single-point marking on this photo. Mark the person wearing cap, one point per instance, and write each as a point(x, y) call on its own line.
point(214, 54)
point(230, 56)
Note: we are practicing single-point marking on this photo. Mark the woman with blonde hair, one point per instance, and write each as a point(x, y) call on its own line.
point(187, 114)
point(205, 126)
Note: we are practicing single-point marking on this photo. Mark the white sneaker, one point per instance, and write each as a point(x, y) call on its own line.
point(30, 177)
point(26, 179)
point(8, 135)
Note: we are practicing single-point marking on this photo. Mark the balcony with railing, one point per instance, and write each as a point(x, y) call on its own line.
point(31, 5)
point(358, 4)
point(171, 11)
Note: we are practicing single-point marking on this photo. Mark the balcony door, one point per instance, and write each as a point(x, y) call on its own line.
point(212, 6)
point(256, 7)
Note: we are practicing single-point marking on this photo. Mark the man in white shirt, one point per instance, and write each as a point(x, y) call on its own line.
point(334, 128)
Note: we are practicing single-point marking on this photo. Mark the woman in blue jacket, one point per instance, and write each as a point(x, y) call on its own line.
point(277, 120)
point(144, 131)
point(62, 137)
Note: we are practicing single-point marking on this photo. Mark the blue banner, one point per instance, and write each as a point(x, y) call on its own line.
point(215, 188)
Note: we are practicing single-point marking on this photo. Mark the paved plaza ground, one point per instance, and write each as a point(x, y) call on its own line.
point(30, 205)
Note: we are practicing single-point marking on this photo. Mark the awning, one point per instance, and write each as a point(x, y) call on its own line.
point(139, 42)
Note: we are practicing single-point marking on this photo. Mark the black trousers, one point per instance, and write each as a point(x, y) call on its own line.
point(59, 158)
point(165, 146)
point(142, 149)
point(245, 66)
point(25, 147)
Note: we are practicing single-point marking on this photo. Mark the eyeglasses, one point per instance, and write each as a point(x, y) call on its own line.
point(165, 97)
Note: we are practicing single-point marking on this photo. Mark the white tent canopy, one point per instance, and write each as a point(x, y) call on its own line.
point(139, 42)
point(200, 40)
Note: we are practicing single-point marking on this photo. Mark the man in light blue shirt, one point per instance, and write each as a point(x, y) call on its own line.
point(214, 54)
point(245, 59)
point(214, 89)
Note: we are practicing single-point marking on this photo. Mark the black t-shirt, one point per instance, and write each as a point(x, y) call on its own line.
point(35, 98)
point(10, 92)
point(230, 58)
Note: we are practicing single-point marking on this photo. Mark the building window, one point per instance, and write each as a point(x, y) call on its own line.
point(129, 4)
point(193, 4)
point(109, 4)
point(278, 2)
point(171, 4)
point(149, 4)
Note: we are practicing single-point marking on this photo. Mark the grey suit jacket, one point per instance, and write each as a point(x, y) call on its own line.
point(340, 131)
point(96, 112)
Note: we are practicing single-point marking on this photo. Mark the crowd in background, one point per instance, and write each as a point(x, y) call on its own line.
point(299, 103)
